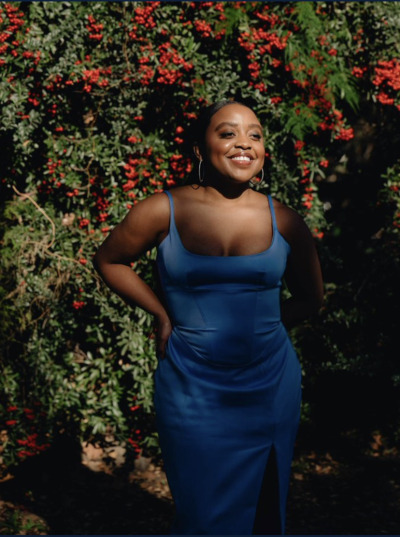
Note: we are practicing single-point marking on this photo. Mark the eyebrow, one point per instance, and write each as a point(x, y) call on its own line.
point(230, 124)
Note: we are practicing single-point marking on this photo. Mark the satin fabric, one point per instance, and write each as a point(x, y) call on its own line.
point(229, 388)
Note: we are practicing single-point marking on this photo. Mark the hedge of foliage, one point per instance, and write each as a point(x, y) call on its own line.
point(97, 100)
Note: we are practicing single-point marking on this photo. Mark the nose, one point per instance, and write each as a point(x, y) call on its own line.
point(243, 142)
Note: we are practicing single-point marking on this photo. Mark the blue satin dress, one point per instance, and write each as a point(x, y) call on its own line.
point(228, 392)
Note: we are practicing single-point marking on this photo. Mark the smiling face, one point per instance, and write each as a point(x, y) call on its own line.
point(234, 145)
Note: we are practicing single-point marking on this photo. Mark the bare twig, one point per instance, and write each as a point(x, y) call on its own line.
point(53, 226)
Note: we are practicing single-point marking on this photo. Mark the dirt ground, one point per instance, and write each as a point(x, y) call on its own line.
point(352, 489)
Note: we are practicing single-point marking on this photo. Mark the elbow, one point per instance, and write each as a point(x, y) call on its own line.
point(310, 306)
point(97, 263)
point(315, 310)
point(319, 300)
point(316, 304)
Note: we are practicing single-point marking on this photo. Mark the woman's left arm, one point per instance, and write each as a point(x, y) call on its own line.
point(303, 275)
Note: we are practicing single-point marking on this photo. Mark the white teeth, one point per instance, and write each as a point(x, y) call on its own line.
point(245, 159)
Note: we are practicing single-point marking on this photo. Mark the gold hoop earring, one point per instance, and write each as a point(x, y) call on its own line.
point(201, 177)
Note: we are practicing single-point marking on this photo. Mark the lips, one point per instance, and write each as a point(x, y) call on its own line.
point(242, 157)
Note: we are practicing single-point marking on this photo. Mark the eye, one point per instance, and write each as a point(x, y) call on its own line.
point(227, 134)
point(256, 136)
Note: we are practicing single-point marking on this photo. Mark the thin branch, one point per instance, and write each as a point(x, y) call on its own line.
point(53, 226)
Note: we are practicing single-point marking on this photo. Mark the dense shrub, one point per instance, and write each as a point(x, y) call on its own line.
point(97, 103)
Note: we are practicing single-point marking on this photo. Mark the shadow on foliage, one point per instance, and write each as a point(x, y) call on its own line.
point(352, 373)
point(343, 486)
point(339, 486)
point(74, 500)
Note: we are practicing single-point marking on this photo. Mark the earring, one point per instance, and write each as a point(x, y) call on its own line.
point(201, 177)
point(252, 183)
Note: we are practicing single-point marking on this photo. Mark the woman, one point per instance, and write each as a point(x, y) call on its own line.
point(228, 382)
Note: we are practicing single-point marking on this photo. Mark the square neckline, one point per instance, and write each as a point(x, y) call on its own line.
point(172, 225)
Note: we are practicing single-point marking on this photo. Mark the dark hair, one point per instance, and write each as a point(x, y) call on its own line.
point(204, 119)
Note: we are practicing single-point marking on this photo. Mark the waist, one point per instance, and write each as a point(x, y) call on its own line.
point(248, 309)
point(231, 345)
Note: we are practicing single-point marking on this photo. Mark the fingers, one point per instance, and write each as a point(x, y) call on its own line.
point(163, 331)
point(162, 346)
point(161, 350)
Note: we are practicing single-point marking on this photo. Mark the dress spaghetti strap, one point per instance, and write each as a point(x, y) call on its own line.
point(172, 227)
point(271, 208)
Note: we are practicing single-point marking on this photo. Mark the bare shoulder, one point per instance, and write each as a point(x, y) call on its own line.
point(185, 192)
point(143, 227)
point(148, 220)
point(259, 200)
point(157, 202)
point(154, 208)
point(290, 224)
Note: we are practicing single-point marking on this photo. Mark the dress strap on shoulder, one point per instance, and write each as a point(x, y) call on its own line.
point(171, 201)
point(271, 208)
point(172, 227)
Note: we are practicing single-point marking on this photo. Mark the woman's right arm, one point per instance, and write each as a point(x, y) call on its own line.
point(143, 228)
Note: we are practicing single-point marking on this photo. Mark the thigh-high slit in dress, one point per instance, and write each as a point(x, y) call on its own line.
point(228, 392)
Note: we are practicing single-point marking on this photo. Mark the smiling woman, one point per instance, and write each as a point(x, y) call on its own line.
point(228, 382)
point(233, 144)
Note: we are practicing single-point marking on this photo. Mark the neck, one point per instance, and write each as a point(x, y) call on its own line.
point(226, 189)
